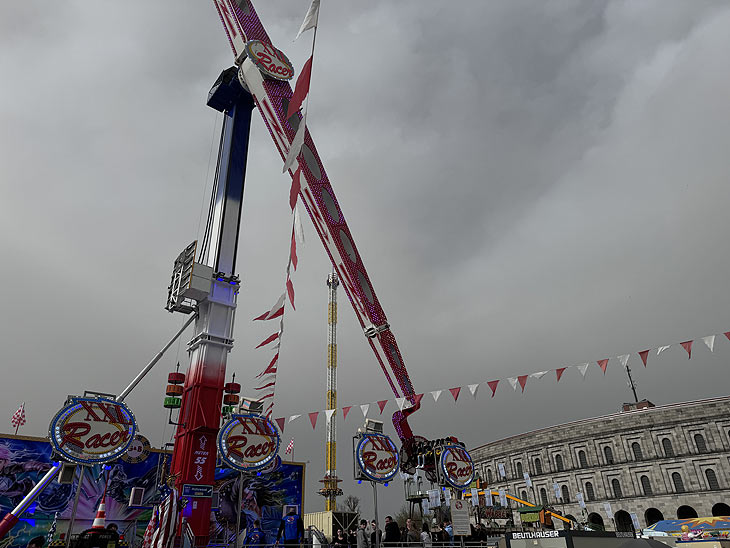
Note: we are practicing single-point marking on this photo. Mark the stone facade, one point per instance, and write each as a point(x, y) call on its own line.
point(665, 462)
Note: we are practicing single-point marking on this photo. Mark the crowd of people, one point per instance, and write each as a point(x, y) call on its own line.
point(394, 536)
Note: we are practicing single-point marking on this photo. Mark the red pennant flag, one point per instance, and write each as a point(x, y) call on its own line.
point(264, 387)
point(271, 315)
point(382, 404)
point(290, 291)
point(417, 399)
point(271, 368)
point(687, 345)
point(644, 355)
point(493, 386)
point(293, 252)
point(313, 418)
point(559, 372)
point(300, 90)
point(296, 186)
point(523, 381)
point(455, 392)
point(280, 423)
point(345, 411)
point(269, 339)
point(603, 364)
point(727, 335)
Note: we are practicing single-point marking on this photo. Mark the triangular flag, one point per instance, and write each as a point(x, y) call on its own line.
point(267, 385)
point(624, 360)
point(603, 364)
point(417, 399)
point(300, 89)
point(727, 335)
point(662, 349)
point(710, 342)
point(310, 20)
point(493, 386)
point(473, 389)
point(382, 404)
point(436, 394)
point(345, 411)
point(293, 418)
point(298, 229)
point(559, 372)
point(296, 145)
point(513, 382)
point(455, 392)
point(644, 355)
point(271, 368)
point(280, 422)
point(583, 368)
point(290, 291)
point(296, 186)
point(276, 310)
point(687, 345)
point(364, 408)
point(400, 402)
point(523, 381)
point(328, 414)
point(293, 252)
point(539, 374)
point(313, 418)
point(268, 340)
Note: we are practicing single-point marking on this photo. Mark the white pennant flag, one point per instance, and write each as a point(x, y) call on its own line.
point(401, 402)
point(474, 496)
point(502, 471)
point(436, 394)
point(310, 20)
point(364, 408)
point(662, 349)
point(624, 359)
point(473, 389)
point(293, 418)
point(513, 382)
point(710, 342)
point(328, 413)
point(296, 145)
point(298, 228)
point(539, 374)
point(583, 368)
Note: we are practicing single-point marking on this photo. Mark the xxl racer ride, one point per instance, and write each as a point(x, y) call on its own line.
point(272, 97)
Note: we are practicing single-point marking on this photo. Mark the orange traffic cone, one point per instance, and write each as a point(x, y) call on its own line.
point(100, 519)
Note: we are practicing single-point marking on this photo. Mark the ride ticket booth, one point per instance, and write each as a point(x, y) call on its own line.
point(569, 539)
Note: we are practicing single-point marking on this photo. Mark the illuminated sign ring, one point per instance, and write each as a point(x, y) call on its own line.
point(269, 60)
point(368, 461)
point(248, 442)
point(455, 476)
point(92, 430)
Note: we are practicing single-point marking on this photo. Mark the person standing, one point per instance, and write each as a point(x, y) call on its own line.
point(376, 535)
point(426, 536)
point(412, 537)
point(256, 536)
point(340, 541)
point(449, 532)
point(291, 528)
point(363, 539)
point(392, 533)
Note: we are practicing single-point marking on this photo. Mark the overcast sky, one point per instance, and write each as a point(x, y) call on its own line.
point(530, 184)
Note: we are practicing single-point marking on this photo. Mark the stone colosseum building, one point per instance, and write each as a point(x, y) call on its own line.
point(663, 462)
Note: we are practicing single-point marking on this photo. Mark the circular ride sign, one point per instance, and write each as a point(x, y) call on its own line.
point(457, 468)
point(248, 442)
point(269, 60)
point(138, 450)
point(92, 430)
point(377, 457)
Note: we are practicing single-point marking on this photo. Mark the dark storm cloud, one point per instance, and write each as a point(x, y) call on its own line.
point(531, 185)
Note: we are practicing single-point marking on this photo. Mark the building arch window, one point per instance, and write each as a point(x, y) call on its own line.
point(559, 463)
point(712, 482)
point(700, 443)
point(538, 466)
point(646, 486)
point(678, 483)
point(667, 446)
point(523, 494)
point(616, 487)
point(608, 453)
point(590, 493)
point(489, 475)
point(582, 459)
point(566, 494)
point(636, 450)
point(543, 496)
point(519, 470)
